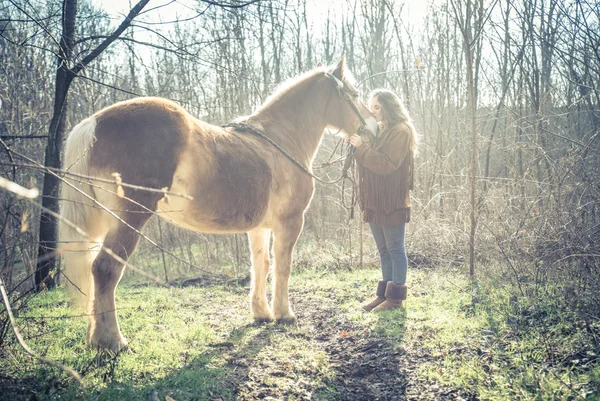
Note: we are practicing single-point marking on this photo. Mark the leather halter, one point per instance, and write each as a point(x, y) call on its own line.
point(245, 126)
point(339, 85)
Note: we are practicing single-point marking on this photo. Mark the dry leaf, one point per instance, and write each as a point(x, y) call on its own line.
point(118, 179)
point(165, 196)
point(25, 221)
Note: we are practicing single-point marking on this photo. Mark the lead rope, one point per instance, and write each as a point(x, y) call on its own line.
point(339, 85)
point(349, 165)
point(244, 127)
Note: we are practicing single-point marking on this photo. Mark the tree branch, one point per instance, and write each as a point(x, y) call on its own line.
point(224, 5)
point(37, 22)
point(102, 46)
point(66, 369)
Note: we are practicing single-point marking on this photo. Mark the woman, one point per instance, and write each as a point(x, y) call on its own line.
point(385, 169)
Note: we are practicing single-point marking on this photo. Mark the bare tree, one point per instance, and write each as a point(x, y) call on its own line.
point(470, 21)
point(68, 68)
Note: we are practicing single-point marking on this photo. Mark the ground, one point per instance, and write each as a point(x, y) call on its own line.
point(199, 343)
point(362, 362)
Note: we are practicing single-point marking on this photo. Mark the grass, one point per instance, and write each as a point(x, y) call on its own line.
point(199, 343)
point(502, 347)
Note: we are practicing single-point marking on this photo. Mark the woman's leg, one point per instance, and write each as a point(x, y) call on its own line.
point(386, 261)
point(394, 243)
point(396, 291)
point(386, 269)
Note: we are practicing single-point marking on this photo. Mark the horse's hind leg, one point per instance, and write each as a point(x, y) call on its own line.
point(259, 246)
point(103, 330)
point(285, 237)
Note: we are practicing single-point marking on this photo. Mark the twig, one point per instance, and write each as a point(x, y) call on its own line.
point(145, 210)
point(18, 190)
point(38, 166)
point(226, 5)
point(577, 255)
point(47, 361)
point(66, 316)
point(510, 264)
point(102, 247)
point(51, 171)
point(24, 136)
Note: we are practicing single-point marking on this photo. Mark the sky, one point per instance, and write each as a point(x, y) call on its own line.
point(157, 11)
point(414, 10)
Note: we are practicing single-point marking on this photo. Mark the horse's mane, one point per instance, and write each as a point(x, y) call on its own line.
point(288, 85)
point(291, 83)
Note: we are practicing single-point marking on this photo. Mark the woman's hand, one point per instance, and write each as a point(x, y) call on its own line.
point(356, 140)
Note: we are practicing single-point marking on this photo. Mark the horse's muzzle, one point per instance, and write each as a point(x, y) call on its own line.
point(370, 128)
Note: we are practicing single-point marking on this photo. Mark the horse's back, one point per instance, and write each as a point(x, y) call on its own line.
point(155, 143)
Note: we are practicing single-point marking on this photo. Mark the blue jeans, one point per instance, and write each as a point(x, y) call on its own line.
point(390, 244)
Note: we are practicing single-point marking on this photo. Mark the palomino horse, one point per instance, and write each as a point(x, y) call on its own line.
point(236, 182)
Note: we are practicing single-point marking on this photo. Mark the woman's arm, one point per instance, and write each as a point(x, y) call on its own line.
point(388, 159)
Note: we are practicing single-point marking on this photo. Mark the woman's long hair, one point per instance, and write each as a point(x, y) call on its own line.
point(393, 111)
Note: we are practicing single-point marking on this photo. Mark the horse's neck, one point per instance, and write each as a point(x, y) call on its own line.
point(297, 122)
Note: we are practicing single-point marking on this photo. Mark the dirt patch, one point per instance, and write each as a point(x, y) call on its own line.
point(367, 365)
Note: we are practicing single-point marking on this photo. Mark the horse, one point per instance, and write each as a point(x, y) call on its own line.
point(231, 181)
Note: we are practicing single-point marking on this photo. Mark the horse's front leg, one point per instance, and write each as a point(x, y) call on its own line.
point(259, 247)
point(285, 237)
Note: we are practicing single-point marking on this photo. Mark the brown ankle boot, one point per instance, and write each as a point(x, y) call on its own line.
point(394, 295)
point(381, 286)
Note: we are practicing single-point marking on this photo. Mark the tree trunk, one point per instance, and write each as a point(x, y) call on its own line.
point(48, 223)
point(67, 70)
point(469, 34)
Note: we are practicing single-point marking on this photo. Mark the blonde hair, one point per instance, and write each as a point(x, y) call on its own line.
point(393, 111)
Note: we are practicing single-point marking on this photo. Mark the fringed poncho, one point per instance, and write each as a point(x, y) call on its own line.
point(385, 173)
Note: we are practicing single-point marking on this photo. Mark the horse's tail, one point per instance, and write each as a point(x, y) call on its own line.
point(77, 207)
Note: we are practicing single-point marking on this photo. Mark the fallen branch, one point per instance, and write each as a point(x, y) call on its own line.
point(64, 368)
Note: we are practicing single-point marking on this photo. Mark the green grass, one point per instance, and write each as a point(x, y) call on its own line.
point(196, 343)
point(498, 346)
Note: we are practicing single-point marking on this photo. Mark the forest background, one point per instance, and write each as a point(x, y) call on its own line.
point(505, 95)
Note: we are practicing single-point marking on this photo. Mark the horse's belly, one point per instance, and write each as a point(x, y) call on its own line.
point(229, 188)
point(192, 215)
point(214, 206)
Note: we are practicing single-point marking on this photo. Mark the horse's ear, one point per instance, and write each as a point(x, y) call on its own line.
point(338, 72)
point(319, 64)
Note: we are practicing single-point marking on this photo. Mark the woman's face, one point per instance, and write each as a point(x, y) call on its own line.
point(376, 108)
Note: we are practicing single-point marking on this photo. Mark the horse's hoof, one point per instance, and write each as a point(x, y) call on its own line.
point(286, 320)
point(262, 320)
point(262, 315)
point(113, 345)
point(128, 349)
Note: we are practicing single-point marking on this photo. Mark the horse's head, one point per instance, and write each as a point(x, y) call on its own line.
point(345, 110)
